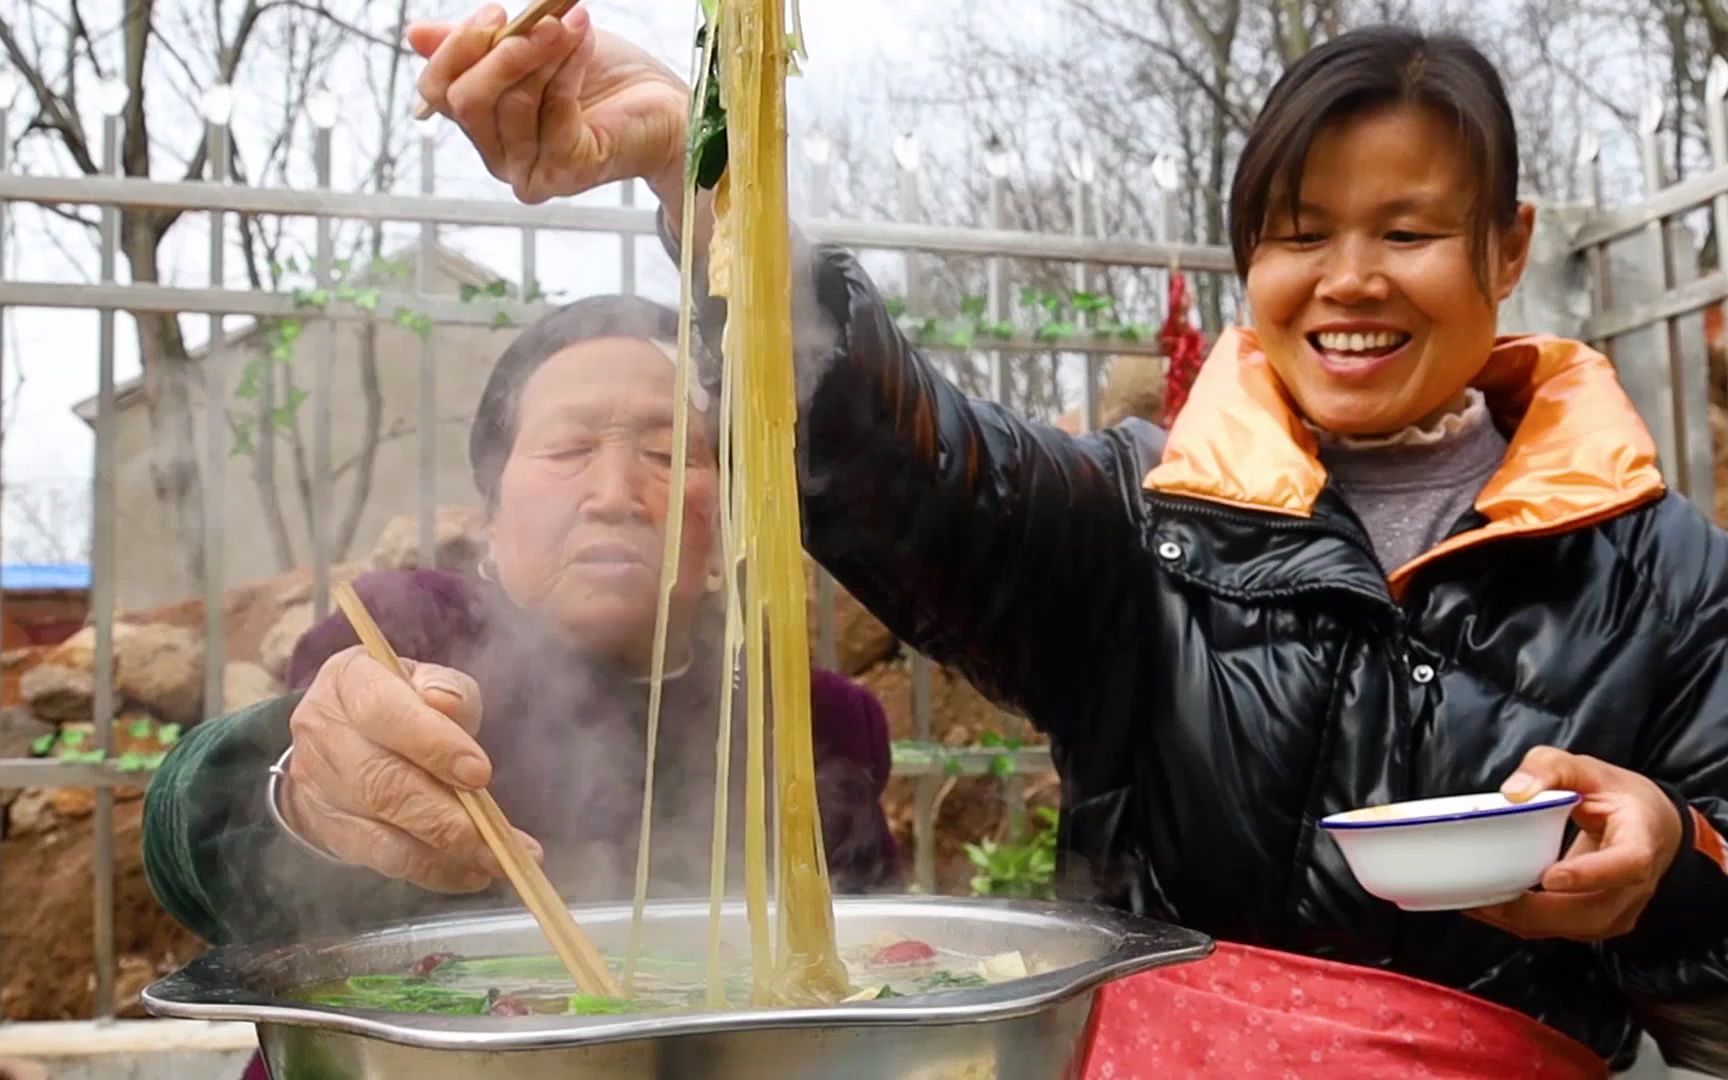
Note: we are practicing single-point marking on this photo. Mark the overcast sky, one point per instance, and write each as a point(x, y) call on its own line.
point(56, 350)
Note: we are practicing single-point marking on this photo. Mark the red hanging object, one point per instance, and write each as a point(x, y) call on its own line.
point(1184, 347)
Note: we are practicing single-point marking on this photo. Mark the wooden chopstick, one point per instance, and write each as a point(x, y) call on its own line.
point(521, 24)
point(581, 959)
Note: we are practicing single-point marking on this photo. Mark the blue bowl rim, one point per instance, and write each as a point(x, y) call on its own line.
point(1570, 798)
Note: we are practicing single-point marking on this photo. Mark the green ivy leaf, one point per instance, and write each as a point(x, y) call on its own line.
point(1056, 331)
point(248, 388)
point(72, 738)
point(979, 855)
point(139, 729)
point(951, 766)
point(469, 292)
point(288, 331)
point(240, 441)
point(293, 265)
point(498, 287)
point(990, 740)
point(131, 761)
point(168, 734)
point(1002, 766)
point(42, 744)
point(501, 320)
point(974, 307)
point(1134, 333)
point(367, 299)
point(345, 293)
point(895, 306)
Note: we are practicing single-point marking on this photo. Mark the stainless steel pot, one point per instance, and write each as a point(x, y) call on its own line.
point(1033, 1028)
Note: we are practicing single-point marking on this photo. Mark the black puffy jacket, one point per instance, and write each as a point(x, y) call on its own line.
point(1220, 661)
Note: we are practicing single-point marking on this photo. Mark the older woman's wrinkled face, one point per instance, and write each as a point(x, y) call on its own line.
point(582, 514)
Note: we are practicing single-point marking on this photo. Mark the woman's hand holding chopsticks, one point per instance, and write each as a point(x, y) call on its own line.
point(369, 780)
point(557, 110)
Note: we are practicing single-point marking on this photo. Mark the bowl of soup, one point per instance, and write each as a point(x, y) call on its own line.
point(940, 989)
point(1453, 853)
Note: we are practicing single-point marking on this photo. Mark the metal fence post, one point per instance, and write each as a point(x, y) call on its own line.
point(427, 424)
point(1083, 170)
point(218, 104)
point(627, 242)
point(9, 83)
point(818, 152)
point(998, 303)
point(322, 108)
point(1688, 459)
point(112, 95)
point(906, 157)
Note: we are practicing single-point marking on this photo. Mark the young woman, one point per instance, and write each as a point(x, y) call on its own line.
point(1386, 555)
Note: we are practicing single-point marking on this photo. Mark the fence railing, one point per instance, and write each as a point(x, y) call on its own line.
point(219, 202)
point(1632, 272)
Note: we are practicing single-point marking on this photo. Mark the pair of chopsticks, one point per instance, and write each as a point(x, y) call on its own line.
point(581, 959)
point(521, 24)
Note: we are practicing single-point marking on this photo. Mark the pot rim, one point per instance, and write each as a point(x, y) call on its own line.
point(206, 988)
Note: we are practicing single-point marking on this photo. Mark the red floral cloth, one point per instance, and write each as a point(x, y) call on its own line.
point(1251, 1012)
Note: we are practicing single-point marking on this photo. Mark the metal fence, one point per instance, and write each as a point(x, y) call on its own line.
point(1602, 288)
point(220, 201)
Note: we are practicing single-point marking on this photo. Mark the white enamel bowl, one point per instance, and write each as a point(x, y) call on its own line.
point(1451, 854)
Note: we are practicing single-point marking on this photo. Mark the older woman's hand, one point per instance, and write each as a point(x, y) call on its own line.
point(559, 110)
point(374, 760)
point(1629, 834)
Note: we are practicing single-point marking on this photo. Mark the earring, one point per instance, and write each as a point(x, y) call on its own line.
point(716, 580)
point(488, 566)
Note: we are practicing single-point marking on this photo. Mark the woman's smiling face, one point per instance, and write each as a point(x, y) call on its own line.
point(1369, 302)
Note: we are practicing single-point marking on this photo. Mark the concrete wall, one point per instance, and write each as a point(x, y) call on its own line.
point(149, 561)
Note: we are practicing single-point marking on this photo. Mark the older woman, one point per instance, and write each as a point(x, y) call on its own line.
point(1386, 555)
point(542, 668)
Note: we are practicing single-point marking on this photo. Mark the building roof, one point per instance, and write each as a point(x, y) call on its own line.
point(448, 260)
point(44, 577)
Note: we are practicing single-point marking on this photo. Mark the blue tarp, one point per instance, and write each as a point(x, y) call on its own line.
point(27, 576)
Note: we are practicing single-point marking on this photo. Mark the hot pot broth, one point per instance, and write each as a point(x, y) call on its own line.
point(538, 985)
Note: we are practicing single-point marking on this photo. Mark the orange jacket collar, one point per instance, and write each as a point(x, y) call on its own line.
point(1578, 452)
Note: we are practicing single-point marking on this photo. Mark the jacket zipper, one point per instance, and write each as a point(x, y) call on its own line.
point(1350, 533)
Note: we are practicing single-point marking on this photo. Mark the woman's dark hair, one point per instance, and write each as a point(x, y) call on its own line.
point(588, 319)
point(1363, 70)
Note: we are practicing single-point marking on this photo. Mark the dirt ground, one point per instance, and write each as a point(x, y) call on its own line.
point(46, 921)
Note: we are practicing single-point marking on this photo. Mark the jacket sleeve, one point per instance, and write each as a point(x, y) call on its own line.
point(219, 864)
point(1679, 950)
point(993, 545)
point(213, 852)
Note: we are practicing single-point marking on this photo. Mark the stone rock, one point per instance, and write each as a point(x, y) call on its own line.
point(458, 541)
point(1133, 386)
point(161, 668)
point(158, 666)
point(1719, 434)
point(47, 966)
point(31, 814)
point(72, 804)
point(245, 684)
point(57, 693)
point(280, 639)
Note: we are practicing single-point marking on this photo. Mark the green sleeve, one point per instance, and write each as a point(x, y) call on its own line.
point(221, 866)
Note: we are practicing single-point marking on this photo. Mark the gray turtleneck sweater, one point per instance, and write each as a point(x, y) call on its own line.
point(1411, 488)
